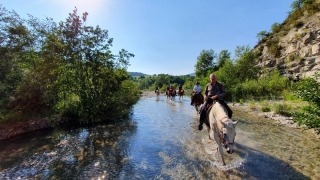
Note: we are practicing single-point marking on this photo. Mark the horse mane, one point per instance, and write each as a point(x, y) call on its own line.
point(220, 114)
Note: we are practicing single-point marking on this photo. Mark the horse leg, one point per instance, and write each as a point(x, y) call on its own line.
point(216, 138)
point(209, 132)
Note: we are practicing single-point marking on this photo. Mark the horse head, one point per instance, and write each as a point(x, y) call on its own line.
point(228, 134)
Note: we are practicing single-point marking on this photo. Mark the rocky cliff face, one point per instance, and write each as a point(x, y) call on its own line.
point(295, 53)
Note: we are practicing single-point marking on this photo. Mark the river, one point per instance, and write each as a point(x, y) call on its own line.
point(161, 141)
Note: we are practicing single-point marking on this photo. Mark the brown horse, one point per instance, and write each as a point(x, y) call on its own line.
point(168, 94)
point(173, 94)
point(181, 93)
point(197, 100)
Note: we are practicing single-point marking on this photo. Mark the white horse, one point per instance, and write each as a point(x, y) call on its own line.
point(221, 128)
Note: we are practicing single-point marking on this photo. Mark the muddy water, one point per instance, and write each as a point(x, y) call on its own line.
point(161, 141)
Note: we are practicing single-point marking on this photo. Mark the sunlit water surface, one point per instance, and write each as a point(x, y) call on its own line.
point(161, 141)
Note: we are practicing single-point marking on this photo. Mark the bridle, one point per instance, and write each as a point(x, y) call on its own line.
point(222, 135)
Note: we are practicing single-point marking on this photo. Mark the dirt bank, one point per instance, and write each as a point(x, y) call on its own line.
point(11, 129)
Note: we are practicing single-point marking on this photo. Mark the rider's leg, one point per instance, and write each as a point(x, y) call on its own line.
point(202, 116)
point(192, 97)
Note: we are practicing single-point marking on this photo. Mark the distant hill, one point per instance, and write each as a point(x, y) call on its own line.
point(142, 74)
point(137, 74)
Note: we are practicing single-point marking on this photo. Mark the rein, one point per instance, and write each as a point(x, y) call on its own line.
point(221, 134)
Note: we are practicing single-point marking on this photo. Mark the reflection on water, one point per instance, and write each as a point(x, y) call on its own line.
point(161, 141)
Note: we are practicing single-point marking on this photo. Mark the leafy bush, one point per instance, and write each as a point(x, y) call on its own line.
point(288, 95)
point(272, 83)
point(283, 109)
point(276, 27)
point(309, 90)
point(273, 47)
point(265, 109)
point(252, 105)
point(309, 116)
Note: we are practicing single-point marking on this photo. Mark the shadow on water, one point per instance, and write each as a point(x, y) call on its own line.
point(259, 165)
point(245, 163)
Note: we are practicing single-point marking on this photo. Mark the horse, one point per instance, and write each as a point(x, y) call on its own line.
point(168, 94)
point(181, 93)
point(197, 101)
point(221, 128)
point(173, 94)
point(157, 92)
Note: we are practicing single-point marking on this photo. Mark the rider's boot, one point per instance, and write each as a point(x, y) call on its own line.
point(202, 119)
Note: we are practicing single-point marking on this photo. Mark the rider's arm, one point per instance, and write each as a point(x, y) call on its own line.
point(222, 92)
point(206, 93)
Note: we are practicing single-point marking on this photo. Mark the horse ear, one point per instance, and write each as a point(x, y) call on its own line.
point(235, 122)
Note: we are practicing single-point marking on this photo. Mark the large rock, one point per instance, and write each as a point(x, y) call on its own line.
point(299, 49)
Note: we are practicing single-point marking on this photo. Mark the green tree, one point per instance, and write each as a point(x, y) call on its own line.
point(224, 55)
point(94, 74)
point(66, 69)
point(205, 62)
point(227, 74)
point(275, 27)
point(15, 54)
point(245, 68)
point(262, 34)
point(296, 5)
point(162, 80)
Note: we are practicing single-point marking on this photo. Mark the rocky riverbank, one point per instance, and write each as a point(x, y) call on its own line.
point(271, 116)
point(11, 129)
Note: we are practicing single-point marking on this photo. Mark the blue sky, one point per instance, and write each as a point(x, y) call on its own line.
point(167, 36)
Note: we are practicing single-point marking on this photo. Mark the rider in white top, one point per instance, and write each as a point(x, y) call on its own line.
point(197, 88)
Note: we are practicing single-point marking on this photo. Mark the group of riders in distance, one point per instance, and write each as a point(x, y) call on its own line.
point(171, 92)
point(214, 112)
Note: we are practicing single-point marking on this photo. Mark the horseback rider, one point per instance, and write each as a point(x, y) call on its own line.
point(180, 87)
point(167, 90)
point(197, 89)
point(171, 89)
point(157, 89)
point(214, 91)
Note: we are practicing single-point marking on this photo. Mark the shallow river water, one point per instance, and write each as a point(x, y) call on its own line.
point(161, 141)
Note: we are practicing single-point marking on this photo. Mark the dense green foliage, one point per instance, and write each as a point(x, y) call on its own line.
point(64, 69)
point(163, 80)
point(308, 89)
point(205, 62)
